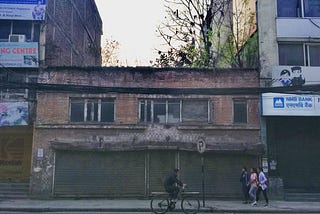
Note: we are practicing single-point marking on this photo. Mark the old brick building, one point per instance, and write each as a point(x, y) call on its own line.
point(35, 34)
point(115, 132)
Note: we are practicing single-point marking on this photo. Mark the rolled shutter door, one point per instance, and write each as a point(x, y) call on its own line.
point(222, 173)
point(99, 174)
point(160, 163)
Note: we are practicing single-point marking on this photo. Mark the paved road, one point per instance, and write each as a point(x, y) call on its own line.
point(94, 212)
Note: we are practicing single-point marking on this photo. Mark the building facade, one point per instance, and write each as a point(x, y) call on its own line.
point(289, 49)
point(35, 34)
point(115, 132)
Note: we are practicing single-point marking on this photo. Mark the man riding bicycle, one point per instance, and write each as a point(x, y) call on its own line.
point(172, 183)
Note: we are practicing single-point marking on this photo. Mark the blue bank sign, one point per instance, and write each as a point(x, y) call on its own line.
point(22, 9)
point(290, 104)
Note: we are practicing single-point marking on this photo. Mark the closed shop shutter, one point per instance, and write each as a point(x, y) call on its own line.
point(104, 174)
point(293, 142)
point(222, 173)
point(160, 164)
point(190, 164)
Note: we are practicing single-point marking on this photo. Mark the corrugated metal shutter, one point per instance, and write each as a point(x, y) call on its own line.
point(222, 173)
point(190, 165)
point(104, 174)
point(294, 143)
point(160, 163)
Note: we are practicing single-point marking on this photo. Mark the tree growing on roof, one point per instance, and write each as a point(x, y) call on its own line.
point(109, 52)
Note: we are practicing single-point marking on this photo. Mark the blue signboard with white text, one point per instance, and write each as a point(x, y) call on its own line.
point(290, 104)
point(22, 9)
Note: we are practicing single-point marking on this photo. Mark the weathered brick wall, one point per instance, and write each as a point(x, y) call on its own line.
point(152, 77)
point(126, 109)
point(127, 105)
point(53, 130)
point(52, 108)
point(67, 36)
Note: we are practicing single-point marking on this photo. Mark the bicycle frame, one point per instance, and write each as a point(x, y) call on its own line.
point(161, 202)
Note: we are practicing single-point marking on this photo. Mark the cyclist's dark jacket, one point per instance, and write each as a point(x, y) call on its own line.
point(171, 180)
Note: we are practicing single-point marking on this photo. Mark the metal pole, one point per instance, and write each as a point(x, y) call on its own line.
point(202, 172)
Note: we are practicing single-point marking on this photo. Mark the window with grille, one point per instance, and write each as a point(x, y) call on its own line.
point(240, 112)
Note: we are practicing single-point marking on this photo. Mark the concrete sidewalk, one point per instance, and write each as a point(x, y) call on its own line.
point(100, 205)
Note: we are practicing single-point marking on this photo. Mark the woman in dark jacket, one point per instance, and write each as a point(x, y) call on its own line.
point(245, 184)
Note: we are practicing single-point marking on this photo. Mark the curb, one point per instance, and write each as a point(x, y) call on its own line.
point(205, 210)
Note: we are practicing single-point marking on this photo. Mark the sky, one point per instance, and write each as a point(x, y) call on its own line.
point(133, 24)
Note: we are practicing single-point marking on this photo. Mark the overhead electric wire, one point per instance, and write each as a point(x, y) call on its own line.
point(164, 91)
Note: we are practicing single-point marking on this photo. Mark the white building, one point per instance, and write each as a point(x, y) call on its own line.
point(289, 49)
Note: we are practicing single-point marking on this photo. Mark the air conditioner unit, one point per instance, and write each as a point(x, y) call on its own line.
point(17, 38)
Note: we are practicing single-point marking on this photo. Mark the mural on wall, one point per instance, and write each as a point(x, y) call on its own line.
point(14, 114)
point(288, 76)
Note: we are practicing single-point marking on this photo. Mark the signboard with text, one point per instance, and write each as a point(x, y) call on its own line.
point(22, 9)
point(19, 54)
point(276, 104)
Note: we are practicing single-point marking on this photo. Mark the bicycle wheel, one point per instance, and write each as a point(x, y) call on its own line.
point(159, 205)
point(190, 205)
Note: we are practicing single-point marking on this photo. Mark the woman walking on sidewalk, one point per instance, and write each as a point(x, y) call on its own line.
point(244, 179)
point(262, 186)
point(253, 186)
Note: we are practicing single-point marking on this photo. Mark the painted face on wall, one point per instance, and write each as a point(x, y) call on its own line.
point(285, 78)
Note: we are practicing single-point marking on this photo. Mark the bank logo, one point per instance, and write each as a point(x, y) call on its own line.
point(278, 102)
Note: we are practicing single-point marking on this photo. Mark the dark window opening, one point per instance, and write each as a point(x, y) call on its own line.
point(240, 112)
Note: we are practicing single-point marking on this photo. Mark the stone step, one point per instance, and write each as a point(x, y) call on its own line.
point(302, 196)
point(14, 189)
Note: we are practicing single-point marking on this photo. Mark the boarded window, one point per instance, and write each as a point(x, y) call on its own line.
point(194, 111)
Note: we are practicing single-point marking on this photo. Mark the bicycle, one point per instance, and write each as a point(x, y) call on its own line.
point(162, 202)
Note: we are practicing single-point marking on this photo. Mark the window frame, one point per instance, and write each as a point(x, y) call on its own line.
point(306, 53)
point(151, 120)
point(29, 38)
point(95, 113)
point(239, 101)
point(300, 10)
